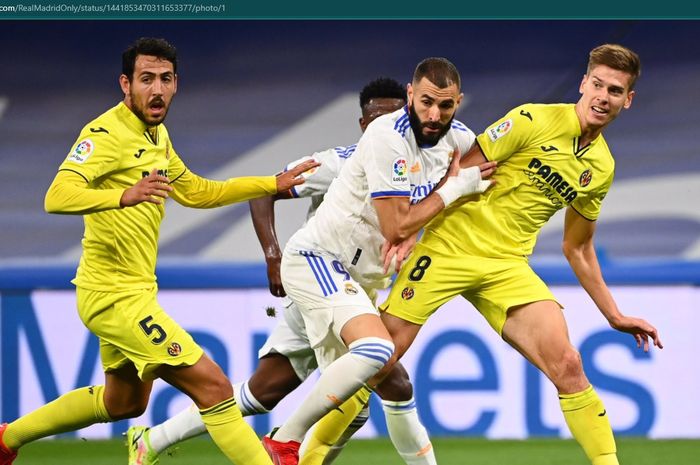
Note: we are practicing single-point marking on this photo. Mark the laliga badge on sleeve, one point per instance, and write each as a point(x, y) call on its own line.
point(82, 151)
point(500, 130)
point(399, 174)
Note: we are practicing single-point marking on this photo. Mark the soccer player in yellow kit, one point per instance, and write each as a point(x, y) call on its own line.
point(550, 157)
point(118, 174)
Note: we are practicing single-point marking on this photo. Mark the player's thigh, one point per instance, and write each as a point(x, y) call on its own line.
point(134, 328)
point(126, 395)
point(326, 295)
point(538, 330)
point(506, 284)
point(426, 281)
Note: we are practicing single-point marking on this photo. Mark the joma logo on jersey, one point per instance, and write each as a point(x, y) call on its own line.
point(160, 173)
point(545, 174)
point(421, 191)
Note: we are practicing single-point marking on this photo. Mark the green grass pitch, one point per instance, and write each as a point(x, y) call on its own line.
point(454, 451)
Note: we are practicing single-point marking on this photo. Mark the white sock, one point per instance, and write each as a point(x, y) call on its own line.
point(408, 434)
point(352, 428)
point(247, 403)
point(186, 424)
point(339, 381)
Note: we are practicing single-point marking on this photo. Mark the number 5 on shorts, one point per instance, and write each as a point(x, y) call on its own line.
point(151, 328)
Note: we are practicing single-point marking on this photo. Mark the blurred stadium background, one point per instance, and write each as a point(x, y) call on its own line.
point(254, 95)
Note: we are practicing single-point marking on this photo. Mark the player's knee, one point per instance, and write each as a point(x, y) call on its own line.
point(212, 392)
point(271, 386)
point(270, 398)
point(373, 351)
point(396, 386)
point(568, 368)
point(126, 409)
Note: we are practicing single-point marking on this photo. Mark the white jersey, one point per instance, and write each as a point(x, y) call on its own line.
point(388, 162)
point(318, 180)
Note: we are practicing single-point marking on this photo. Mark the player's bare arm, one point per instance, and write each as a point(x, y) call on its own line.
point(579, 250)
point(262, 211)
point(153, 188)
point(292, 177)
point(474, 157)
point(398, 219)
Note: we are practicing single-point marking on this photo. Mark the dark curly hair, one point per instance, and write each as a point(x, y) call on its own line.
point(150, 46)
point(382, 87)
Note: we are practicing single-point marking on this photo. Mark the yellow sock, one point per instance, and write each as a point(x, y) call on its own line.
point(233, 435)
point(329, 428)
point(72, 411)
point(589, 424)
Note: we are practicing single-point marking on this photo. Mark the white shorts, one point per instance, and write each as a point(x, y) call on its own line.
point(288, 338)
point(327, 296)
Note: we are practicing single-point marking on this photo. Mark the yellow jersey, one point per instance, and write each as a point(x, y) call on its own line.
point(112, 153)
point(541, 169)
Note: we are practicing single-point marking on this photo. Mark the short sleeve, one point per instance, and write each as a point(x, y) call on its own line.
point(386, 164)
point(318, 180)
point(589, 207)
point(508, 135)
point(464, 136)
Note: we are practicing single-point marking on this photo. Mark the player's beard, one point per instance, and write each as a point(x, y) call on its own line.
point(140, 111)
point(417, 125)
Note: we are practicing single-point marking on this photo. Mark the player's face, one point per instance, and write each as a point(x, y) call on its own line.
point(431, 110)
point(377, 107)
point(151, 89)
point(604, 93)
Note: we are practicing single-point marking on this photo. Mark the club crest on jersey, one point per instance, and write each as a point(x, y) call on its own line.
point(585, 178)
point(407, 293)
point(500, 130)
point(175, 349)
point(82, 151)
point(350, 289)
point(400, 170)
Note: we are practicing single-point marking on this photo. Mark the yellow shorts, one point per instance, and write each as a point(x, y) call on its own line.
point(133, 327)
point(493, 285)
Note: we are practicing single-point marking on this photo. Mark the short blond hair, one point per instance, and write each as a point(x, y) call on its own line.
point(616, 57)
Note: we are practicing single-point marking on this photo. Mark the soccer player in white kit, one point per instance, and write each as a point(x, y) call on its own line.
point(286, 358)
point(385, 192)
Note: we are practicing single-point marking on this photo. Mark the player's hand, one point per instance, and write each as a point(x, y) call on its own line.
point(641, 329)
point(274, 278)
point(293, 177)
point(397, 253)
point(153, 188)
point(463, 182)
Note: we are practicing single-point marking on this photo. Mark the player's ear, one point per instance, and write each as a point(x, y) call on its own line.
point(124, 84)
point(363, 125)
point(628, 100)
point(583, 82)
